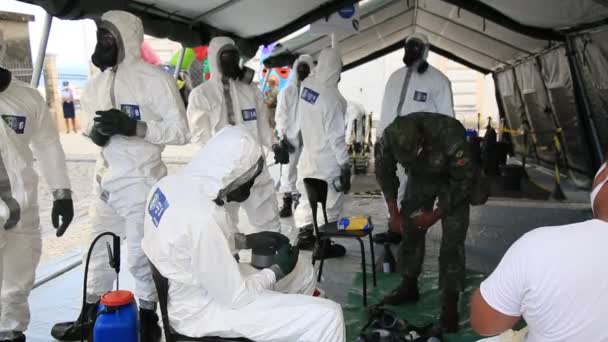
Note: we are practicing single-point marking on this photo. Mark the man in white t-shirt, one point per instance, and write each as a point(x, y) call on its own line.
point(554, 278)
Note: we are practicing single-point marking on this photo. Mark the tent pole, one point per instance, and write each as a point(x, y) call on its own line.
point(583, 104)
point(180, 60)
point(44, 39)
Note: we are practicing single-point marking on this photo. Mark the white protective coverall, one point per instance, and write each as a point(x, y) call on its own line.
point(287, 123)
point(408, 91)
point(208, 113)
point(129, 166)
point(29, 125)
point(354, 111)
point(322, 109)
point(188, 237)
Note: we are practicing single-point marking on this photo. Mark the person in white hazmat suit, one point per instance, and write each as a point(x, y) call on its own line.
point(189, 237)
point(288, 130)
point(355, 116)
point(324, 153)
point(416, 87)
point(29, 127)
point(131, 110)
point(229, 98)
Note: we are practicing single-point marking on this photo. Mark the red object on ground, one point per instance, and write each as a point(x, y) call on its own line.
point(117, 298)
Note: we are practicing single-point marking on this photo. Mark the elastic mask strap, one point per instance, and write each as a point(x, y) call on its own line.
point(599, 187)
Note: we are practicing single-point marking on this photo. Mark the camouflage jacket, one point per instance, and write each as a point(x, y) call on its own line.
point(432, 148)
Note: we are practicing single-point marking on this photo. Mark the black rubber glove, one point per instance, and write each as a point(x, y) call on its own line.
point(281, 154)
point(345, 178)
point(98, 138)
point(113, 121)
point(287, 258)
point(63, 208)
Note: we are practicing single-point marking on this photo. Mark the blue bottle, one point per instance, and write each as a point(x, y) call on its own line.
point(117, 319)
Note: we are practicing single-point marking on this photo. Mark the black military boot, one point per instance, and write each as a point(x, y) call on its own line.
point(306, 238)
point(73, 331)
point(286, 210)
point(406, 293)
point(149, 330)
point(449, 318)
point(17, 337)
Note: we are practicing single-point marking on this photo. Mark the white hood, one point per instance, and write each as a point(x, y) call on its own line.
point(216, 45)
point(128, 31)
point(302, 59)
point(231, 158)
point(329, 67)
point(424, 39)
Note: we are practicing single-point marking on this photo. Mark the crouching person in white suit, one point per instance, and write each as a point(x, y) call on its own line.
point(190, 238)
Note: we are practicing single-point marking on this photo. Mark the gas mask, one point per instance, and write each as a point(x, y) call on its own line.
point(5, 78)
point(5, 74)
point(240, 194)
point(106, 50)
point(303, 70)
point(414, 51)
point(229, 62)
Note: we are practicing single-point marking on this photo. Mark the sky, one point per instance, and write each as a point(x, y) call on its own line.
point(73, 41)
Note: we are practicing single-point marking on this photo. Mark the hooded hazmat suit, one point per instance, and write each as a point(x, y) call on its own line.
point(410, 91)
point(324, 151)
point(354, 111)
point(128, 166)
point(288, 125)
point(14, 202)
point(188, 238)
point(208, 112)
point(27, 123)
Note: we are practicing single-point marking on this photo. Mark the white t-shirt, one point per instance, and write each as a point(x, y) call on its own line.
point(557, 279)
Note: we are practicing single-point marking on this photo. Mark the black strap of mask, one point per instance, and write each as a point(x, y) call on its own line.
point(406, 85)
point(228, 99)
point(7, 196)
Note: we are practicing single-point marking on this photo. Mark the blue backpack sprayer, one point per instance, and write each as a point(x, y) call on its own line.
point(117, 315)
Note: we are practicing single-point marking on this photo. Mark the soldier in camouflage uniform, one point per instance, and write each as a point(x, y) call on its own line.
point(433, 150)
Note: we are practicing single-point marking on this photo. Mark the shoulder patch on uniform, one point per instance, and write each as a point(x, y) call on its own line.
point(309, 95)
point(157, 206)
point(132, 110)
point(420, 96)
point(15, 122)
point(462, 162)
point(249, 114)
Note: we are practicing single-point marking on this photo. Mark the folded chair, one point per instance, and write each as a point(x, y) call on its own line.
point(316, 190)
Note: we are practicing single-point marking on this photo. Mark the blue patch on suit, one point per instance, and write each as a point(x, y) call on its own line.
point(309, 95)
point(132, 110)
point(249, 114)
point(157, 206)
point(420, 96)
point(15, 122)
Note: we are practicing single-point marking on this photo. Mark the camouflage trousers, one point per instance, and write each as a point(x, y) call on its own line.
point(421, 193)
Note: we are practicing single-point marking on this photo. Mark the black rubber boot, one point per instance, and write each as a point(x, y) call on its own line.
point(306, 238)
point(72, 331)
point(332, 250)
point(17, 337)
point(406, 293)
point(286, 210)
point(149, 330)
point(449, 318)
point(388, 237)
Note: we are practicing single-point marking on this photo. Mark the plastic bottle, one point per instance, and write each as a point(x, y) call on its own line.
point(117, 319)
point(388, 260)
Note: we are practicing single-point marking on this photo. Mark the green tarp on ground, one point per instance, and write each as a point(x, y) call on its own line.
point(426, 311)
